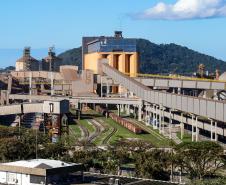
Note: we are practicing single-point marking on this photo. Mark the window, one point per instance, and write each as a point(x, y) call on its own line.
point(35, 179)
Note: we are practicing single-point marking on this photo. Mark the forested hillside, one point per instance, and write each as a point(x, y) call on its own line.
point(164, 58)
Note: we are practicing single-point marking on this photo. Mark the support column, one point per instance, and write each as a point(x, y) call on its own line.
point(154, 118)
point(192, 129)
point(216, 136)
point(179, 90)
point(181, 127)
point(108, 90)
point(128, 109)
point(160, 120)
point(163, 120)
point(134, 112)
point(211, 130)
point(122, 108)
point(170, 125)
point(196, 129)
point(147, 118)
point(139, 113)
point(118, 107)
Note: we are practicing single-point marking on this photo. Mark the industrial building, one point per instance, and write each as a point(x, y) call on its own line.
point(51, 62)
point(110, 76)
point(120, 52)
point(38, 171)
point(29, 63)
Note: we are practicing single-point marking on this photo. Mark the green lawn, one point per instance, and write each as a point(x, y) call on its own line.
point(75, 130)
point(187, 137)
point(99, 140)
point(85, 123)
point(125, 133)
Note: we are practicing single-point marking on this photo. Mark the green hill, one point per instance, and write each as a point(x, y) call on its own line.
point(164, 58)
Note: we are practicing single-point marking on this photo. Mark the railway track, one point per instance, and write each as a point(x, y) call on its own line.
point(108, 137)
point(98, 129)
point(85, 132)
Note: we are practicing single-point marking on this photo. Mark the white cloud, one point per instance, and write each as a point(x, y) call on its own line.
point(185, 9)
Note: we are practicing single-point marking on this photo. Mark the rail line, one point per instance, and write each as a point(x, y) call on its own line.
point(108, 137)
point(97, 130)
point(84, 131)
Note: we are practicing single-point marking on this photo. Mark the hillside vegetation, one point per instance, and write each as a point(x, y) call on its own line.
point(164, 59)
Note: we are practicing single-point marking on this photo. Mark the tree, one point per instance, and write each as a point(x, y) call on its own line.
point(199, 158)
point(153, 164)
point(11, 149)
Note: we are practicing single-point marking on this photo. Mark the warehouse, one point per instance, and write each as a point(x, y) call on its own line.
point(38, 171)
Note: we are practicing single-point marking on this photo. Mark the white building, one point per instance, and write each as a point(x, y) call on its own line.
point(37, 171)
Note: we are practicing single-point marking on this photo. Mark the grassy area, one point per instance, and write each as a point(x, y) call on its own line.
point(187, 137)
point(75, 131)
point(125, 133)
point(103, 135)
point(85, 123)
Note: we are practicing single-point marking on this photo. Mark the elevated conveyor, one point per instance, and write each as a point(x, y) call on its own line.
point(21, 108)
point(198, 106)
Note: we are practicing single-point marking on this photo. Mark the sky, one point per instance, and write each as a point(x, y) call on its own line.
point(197, 24)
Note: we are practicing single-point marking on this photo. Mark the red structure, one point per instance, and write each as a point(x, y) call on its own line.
point(125, 123)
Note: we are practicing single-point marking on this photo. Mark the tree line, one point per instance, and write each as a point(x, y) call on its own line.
point(197, 161)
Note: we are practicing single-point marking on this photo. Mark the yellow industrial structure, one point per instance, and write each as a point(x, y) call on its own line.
point(121, 53)
point(125, 62)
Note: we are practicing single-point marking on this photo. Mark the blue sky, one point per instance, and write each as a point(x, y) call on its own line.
point(43, 23)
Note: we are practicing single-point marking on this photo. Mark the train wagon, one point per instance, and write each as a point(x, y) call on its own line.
point(125, 123)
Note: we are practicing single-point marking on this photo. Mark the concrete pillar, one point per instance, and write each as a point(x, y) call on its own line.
point(154, 117)
point(147, 115)
point(211, 130)
point(108, 90)
point(160, 119)
point(118, 107)
point(128, 109)
point(192, 129)
point(79, 114)
point(139, 113)
point(170, 126)
point(163, 122)
point(122, 108)
point(179, 91)
point(134, 112)
point(196, 129)
point(215, 130)
point(181, 127)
